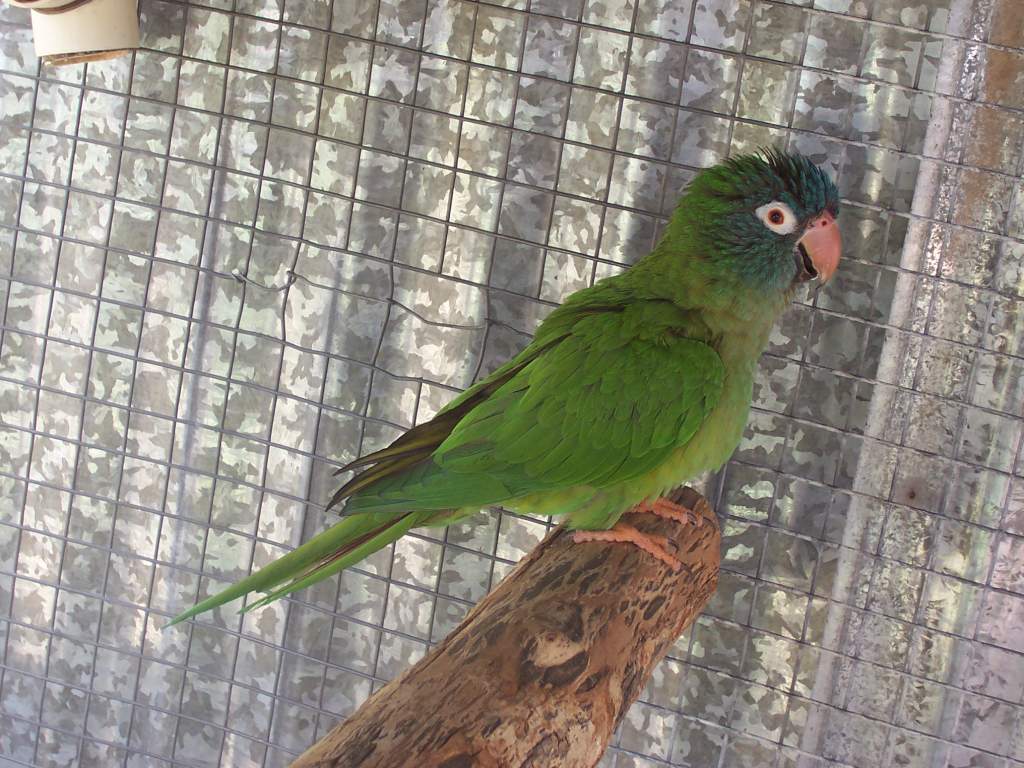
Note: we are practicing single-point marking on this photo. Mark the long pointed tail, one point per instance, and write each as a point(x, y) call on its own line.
point(340, 546)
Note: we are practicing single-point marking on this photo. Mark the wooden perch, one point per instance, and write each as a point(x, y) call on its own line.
point(542, 670)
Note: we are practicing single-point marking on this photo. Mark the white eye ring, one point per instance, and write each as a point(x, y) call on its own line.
point(777, 216)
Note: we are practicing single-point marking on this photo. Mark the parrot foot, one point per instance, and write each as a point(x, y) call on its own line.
point(662, 507)
point(627, 534)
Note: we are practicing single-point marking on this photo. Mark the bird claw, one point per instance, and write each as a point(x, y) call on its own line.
point(622, 533)
point(662, 507)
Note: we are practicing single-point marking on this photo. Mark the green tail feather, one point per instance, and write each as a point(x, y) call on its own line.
point(340, 546)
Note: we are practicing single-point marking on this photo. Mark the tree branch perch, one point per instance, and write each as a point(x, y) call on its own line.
point(542, 670)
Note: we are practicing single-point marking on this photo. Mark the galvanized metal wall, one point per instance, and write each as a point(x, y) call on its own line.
point(285, 231)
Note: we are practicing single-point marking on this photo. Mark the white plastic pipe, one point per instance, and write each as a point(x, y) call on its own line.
point(73, 31)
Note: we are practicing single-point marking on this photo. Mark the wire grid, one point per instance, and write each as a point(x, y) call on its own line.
point(283, 232)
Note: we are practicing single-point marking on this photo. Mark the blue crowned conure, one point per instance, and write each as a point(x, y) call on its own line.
point(628, 389)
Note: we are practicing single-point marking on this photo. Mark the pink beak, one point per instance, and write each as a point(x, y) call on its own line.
point(820, 248)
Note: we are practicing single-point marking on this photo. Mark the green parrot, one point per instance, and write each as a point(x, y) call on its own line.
point(631, 387)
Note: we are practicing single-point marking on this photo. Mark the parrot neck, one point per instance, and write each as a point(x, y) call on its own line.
point(670, 273)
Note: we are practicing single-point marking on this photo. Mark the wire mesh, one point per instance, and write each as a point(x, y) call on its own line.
point(282, 232)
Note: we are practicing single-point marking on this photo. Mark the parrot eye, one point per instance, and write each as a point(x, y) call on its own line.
point(778, 217)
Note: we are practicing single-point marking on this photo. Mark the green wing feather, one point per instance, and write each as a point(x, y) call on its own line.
point(604, 393)
point(608, 402)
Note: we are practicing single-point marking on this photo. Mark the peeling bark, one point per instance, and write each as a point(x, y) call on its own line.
point(542, 670)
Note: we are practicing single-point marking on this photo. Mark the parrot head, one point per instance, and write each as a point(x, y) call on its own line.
point(765, 221)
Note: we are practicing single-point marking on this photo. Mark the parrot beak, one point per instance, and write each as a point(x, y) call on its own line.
point(818, 251)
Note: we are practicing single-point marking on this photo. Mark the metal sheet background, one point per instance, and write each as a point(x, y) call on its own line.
point(285, 231)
